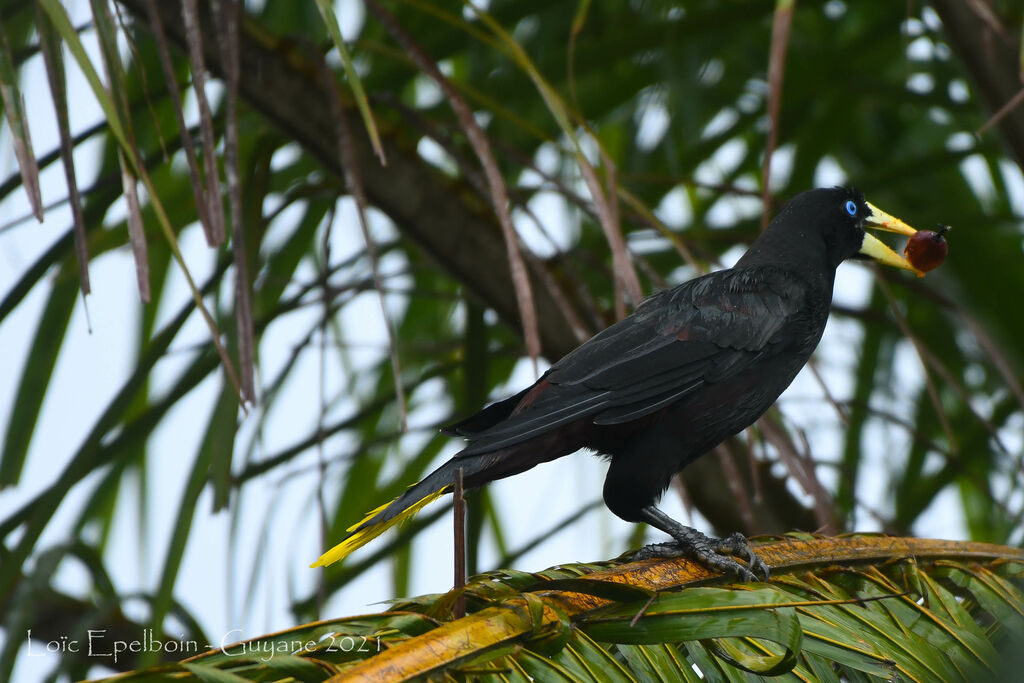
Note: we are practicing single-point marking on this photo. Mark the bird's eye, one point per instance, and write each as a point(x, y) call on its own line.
point(851, 207)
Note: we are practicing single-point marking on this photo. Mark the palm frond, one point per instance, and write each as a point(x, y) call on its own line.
point(859, 607)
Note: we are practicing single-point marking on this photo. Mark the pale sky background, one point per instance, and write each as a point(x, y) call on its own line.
point(94, 362)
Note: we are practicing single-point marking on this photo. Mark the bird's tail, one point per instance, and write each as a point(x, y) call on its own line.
point(376, 522)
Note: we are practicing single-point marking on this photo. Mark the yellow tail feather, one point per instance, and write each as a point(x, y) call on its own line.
point(364, 536)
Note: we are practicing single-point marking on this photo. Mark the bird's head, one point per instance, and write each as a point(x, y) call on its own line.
point(819, 229)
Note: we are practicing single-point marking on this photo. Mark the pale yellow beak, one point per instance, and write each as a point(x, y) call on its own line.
point(876, 249)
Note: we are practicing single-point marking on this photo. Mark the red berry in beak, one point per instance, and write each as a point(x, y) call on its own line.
point(927, 249)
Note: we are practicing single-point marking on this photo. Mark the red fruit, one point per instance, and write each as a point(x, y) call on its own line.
point(927, 249)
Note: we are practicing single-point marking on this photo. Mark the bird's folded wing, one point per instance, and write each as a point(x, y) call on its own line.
point(705, 331)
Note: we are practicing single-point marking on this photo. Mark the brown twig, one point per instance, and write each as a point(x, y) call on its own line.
point(776, 68)
point(187, 145)
point(1010, 105)
point(496, 184)
point(843, 417)
point(321, 433)
point(459, 609)
point(802, 467)
point(56, 76)
point(607, 208)
point(226, 18)
point(922, 353)
point(130, 170)
point(193, 37)
point(991, 56)
point(737, 488)
point(642, 610)
point(354, 181)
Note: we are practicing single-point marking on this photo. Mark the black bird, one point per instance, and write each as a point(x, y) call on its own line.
point(690, 367)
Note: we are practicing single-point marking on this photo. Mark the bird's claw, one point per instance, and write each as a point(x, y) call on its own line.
point(714, 553)
point(736, 544)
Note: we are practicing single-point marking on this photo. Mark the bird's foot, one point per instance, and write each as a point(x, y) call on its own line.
point(713, 553)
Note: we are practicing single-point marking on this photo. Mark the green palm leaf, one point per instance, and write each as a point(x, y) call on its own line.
point(853, 607)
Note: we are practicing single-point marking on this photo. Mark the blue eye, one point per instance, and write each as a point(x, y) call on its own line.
point(851, 207)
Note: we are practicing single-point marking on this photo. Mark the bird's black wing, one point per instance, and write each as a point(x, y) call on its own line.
point(486, 418)
point(703, 331)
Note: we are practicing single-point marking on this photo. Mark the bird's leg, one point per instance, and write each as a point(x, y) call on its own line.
point(714, 553)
